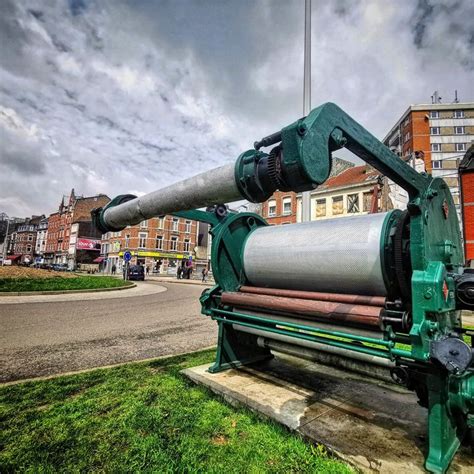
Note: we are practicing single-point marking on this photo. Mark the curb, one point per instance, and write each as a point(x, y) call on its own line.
point(100, 367)
point(65, 292)
point(181, 282)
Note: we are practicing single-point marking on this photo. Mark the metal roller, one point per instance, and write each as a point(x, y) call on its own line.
point(333, 255)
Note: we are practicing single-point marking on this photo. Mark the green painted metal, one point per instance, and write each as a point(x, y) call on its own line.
point(435, 253)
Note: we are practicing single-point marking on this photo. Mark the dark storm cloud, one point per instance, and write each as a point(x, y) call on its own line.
point(125, 96)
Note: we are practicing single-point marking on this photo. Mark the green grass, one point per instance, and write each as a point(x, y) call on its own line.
point(143, 417)
point(56, 284)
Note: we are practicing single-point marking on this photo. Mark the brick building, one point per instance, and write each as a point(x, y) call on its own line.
point(41, 236)
point(158, 243)
point(354, 191)
point(440, 133)
point(281, 208)
point(23, 240)
point(78, 208)
point(466, 174)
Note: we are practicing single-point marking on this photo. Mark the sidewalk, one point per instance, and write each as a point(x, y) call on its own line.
point(173, 279)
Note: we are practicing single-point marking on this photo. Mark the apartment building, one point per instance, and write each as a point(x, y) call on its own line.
point(77, 209)
point(41, 236)
point(440, 133)
point(23, 241)
point(160, 244)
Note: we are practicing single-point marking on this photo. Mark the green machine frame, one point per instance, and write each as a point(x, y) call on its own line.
point(431, 354)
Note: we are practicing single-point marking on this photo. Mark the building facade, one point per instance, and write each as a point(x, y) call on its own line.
point(160, 243)
point(355, 191)
point(77, 209)
point(440, 133)
point(41, 237)
point(23, 241)
point(282, 207)
point(466, 174)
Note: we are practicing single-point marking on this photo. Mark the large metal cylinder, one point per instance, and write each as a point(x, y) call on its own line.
point(333, 255)
point(216, 186)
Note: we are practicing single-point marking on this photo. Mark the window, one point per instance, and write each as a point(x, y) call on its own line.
point(159, 242)
point(434, 114)
point(161, 223)
point(320, 208)
point(406, 122)
point(28, 248)
point(187, 227)
point(435, 131)
point(127, 241)
point(353, 203)
point(174, 243)
point(436, 164)
point(142, 240)
point(174, 224)
point(337, 205)
point(460, 147)
point(143, 224)
point(367, 204)
point(436, 147)
point(458, 114)
point(30, 238)
point(272, 208)
point(286, 206)
point(459, 130)
point(186, 245)
point(406, 137)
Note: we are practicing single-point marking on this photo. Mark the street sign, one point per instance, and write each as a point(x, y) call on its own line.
point(127, 256)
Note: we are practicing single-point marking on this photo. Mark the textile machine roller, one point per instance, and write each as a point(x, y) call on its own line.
point(381, 290)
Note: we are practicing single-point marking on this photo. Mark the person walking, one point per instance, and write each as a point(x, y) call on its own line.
point(147, 270)
point(114, 269)
point(204, 272)
point(178, 272)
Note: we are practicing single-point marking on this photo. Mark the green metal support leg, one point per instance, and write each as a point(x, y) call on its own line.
point(235, 349)
point(444, 437)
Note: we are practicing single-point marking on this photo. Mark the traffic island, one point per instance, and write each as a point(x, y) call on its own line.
point(372, 425)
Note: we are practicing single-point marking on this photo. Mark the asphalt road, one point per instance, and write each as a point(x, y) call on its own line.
point(40, 339)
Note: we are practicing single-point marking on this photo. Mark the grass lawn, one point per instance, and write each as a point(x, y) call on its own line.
point(143, 417)
point(58, 283)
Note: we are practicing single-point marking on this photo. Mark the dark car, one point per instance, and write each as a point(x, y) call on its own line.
point(136, 272)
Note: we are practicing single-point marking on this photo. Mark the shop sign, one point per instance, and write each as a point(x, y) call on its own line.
point(88, 244)
point(145, 253)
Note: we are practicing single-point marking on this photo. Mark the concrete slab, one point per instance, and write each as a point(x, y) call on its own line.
point(375, 426)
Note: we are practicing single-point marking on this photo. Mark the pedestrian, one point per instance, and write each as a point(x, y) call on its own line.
point(204, 272)
point(147, 270)
point(114, 269)
point(178, 273)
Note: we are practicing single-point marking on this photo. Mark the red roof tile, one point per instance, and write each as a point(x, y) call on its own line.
point(355, 175)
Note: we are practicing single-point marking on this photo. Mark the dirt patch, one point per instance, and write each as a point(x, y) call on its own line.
point(34, 273)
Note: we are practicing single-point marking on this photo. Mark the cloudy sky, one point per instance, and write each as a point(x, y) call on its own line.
point(117, 96)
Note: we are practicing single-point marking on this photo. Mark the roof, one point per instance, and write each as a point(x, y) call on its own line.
point(350, 177)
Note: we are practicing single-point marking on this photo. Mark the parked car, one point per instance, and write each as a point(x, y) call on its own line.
point(136, 272)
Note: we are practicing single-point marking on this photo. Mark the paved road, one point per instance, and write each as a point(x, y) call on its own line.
point(39, 339)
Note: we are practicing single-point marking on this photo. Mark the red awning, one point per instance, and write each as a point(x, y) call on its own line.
point(98, 260)
point(12, 257)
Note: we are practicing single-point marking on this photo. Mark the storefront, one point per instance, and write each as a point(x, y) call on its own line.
point(158, 262)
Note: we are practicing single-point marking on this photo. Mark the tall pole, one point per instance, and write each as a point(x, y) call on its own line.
point(306, 196)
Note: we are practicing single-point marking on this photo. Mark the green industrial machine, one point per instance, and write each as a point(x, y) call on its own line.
point(384, 290)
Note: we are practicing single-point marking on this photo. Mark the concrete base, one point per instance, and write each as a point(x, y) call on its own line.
point(374, 426)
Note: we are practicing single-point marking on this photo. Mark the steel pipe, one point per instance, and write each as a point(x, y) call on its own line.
point(212, 187)
point(313, 295)
point(330, 311)
point(353, 365)
point(367, 358)
point(309, 323)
